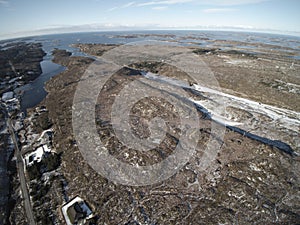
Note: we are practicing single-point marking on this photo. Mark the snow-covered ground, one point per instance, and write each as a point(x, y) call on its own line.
point(257, 118)
point(283, 117)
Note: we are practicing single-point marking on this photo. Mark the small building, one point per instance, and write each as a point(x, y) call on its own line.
point(76, 211)
point(7, 96)
point(37, 155)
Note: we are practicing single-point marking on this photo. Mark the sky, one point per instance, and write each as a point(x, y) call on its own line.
point(32, 17)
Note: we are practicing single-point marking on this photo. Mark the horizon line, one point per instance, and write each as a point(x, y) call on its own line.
point(58, 31)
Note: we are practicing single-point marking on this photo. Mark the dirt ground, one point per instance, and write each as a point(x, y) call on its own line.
point(248, 182)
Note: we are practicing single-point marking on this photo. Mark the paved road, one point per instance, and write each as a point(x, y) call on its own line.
point(20, 166)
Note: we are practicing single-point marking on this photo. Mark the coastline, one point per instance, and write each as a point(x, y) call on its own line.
point(231, 160)
point(74, 177)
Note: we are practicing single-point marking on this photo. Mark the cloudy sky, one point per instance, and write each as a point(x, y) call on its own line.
point(30, 17)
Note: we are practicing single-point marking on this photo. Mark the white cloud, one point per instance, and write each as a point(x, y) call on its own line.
point(4, 2)
point(159, 4)
point(112, 9)
point(202, 2)
point(129, 4)
point(218, 10)
point(159, 7)
point(234, 2)
point(165, 2)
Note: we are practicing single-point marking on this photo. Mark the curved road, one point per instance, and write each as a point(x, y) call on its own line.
point(20, 166)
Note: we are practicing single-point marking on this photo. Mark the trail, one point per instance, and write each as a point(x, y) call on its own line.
point(258, 121)
point(20, 166)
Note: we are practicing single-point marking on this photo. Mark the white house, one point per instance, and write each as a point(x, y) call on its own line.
point(76, 211)
point(37, 155)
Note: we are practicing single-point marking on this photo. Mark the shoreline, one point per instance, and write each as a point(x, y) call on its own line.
point(17, 74)
point(266, 167)
point(236, 148)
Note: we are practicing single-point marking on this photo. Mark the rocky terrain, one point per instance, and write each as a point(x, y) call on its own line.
point(253, 179)
point(20, 61)
point(267, 78)
point(19, 64)
point(249, 182)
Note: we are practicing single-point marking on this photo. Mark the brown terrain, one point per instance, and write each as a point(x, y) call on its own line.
point(248, 183)
point(19, 64)
point(20, 60)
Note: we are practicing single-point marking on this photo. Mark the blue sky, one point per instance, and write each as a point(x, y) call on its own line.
point(31, 17)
